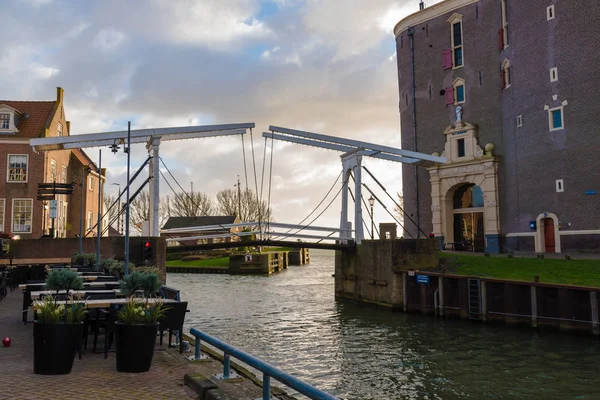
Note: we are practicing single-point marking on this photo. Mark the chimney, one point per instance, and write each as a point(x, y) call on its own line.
point(59, 94)
point(421, 5)
point(69, 128)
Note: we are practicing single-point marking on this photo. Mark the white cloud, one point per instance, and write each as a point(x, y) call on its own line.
point(42, 71)
point(109, 39)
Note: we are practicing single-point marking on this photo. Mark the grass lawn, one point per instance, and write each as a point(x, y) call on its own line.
point(560, 271)
point(214, 262)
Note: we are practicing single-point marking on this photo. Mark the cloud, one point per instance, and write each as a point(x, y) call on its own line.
point(109, 39)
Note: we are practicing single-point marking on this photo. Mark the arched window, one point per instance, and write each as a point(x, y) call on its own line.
point(468, 196)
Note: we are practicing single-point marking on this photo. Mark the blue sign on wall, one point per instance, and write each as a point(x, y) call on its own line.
point(590, 192)
point(422, 278)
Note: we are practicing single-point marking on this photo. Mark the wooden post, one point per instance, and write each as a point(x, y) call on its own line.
point(404, 295)
point(534, 311)
point(483, 302)
point(594, 307)
point(440, 296)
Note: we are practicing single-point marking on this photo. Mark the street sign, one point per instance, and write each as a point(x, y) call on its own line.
point(422, 278)
point(411, 272)
point(53, 207)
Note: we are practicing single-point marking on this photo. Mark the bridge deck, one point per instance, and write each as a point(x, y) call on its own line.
point(272, 243)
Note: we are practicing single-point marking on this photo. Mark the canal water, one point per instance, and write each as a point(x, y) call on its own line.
point(356, 352)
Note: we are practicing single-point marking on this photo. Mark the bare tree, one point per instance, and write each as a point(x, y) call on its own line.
point(190, 205)
point(399, 208)
point(243, 203)
point(112, 212)
point(139, 210)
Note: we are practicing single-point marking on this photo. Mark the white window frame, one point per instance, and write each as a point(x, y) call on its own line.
point(10, 117)
point(53, 171)
point(13, 215)
point(505, 23)
point(59, 129)
point(554, 74)
point(8, 168)
point(560, 185)
point(454, 19)
point(550, 13)
point(562, 118)
point(2, 214)
point(64, 175)
point(459, 82)
point(90, 183)
point(506, 74)
point(90, 220)
point(519, 121)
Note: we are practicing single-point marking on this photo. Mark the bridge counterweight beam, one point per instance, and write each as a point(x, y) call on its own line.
point(153, 148)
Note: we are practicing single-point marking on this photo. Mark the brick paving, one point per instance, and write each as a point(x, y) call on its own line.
point(94, 377)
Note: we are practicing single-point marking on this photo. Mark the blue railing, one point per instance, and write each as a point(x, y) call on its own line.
point(268, 370)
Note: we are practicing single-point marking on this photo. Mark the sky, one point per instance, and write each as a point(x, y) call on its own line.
point(324, 66)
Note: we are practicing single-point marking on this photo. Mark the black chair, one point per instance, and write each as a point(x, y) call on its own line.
point(27, 302)
point(109, 327)
point(3, 280)
point(173, 321)
point(95, 318)
point(37, 272)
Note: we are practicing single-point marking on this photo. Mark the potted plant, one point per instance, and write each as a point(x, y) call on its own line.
point(137, 323)
point(58, 326)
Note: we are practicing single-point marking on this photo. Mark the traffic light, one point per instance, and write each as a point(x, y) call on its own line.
point(147, 251)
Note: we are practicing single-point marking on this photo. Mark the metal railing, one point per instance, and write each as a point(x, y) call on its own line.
point(267, 370)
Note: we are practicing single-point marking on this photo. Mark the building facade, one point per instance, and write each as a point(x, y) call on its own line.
point(22, 170)
point(504, 90)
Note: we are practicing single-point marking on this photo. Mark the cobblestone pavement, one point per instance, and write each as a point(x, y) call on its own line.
point(94, 377)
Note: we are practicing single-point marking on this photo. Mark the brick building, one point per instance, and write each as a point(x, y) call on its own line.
point(22, 169)
point(504, 89)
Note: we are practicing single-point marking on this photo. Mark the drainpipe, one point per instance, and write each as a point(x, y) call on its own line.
point(411, 33)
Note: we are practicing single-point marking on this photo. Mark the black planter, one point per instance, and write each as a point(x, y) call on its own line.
point(135, 346)
point(54, 347)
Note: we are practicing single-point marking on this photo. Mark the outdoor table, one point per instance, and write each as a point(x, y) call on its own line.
point(24, 286)
point(37, 294)
point(121, 301)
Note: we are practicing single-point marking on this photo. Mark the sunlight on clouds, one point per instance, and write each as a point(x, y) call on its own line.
point(42, 71)
point(109, 39)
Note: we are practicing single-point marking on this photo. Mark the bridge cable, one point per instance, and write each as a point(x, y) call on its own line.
point(388, 211)
point(255, 179)
point(318, 205)
point(321, 213)
point(270, 184)
point(397, 204)
point(245, 167)
point(190, 198)
point(363, 201)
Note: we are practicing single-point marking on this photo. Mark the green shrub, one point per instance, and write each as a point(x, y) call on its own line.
point(84, 259)
point(148, 283)
point(50, 312)
point(64, 279)
point(138, 311)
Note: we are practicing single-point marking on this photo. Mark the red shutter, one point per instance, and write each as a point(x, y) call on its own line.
point(502, 82)
point(447, 59)
point(449, 96)
point(501, 39)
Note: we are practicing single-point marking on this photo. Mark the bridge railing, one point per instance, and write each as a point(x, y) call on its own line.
point(267, 370)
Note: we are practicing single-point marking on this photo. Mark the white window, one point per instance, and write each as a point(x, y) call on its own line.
point(550, 13)
point(459, 91)
point(2, 207)
point(4, 121)
point(560, 186)
point(556, 119)
point(17, 167)
point(59, 129)
point(52, 171)
point(553, 74)
point(456, 37)
point(90, 220)
point(91, 183)
point(22, 215)
point(505, 22)
point(63, 178)
point(505, 75)
point(519, 121)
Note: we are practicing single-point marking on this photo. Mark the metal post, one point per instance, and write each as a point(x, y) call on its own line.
point(81, 217)
point(226, 362)
point(534, 307)
point(127, 201)
point(358, 220)
point(198, 345)
point(266, 387)
point(344, 216)
point(372, 224)
point(155, 195)
point(239, 199)
point(99, 225)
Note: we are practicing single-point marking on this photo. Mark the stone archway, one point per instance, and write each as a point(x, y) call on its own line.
point(543, 229)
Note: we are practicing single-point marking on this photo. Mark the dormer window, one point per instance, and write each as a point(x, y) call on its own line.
point(4, 121)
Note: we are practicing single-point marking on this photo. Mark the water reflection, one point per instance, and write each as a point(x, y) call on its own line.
point(359, 352)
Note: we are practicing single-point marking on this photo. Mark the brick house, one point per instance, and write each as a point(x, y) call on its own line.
point(504, 89)
point(22, 169)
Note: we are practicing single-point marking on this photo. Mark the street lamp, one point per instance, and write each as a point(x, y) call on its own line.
point(372, 203)
point(118, 208)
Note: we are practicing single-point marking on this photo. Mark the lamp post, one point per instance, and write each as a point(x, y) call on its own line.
point(45, 217)
point(372, 203)
point(118, 208)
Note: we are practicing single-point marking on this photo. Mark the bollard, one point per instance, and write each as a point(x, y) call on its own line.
point(198, 345)
point(266, 387)
point(226, 361)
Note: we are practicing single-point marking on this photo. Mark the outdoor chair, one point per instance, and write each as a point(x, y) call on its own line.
point(105, 278)
point(109, 327)
point(37, 272)
point(173, 322)
point(3, 280)
point(94, 317)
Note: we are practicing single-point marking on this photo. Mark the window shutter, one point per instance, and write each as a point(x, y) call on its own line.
point(502, 82)
point(447, 59)
point(449, 95)
point(501, 39)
